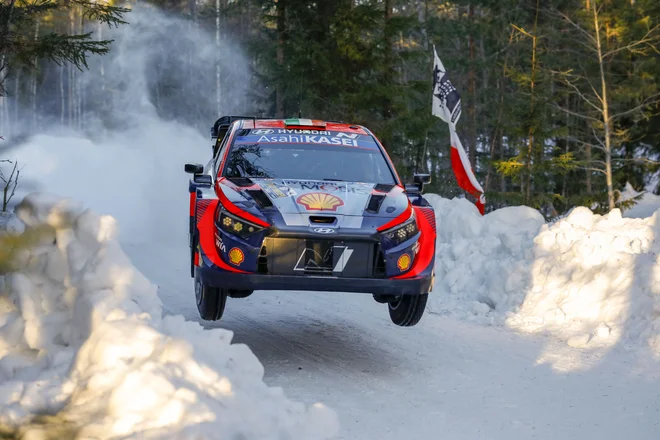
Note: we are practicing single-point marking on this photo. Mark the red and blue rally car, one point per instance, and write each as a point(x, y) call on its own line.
point(299, 204)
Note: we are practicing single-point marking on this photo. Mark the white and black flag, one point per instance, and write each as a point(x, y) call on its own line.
point(446, 99)
point(447, 106)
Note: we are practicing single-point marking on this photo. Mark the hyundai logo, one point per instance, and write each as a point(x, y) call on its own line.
point(263, 131)
point(324, 230)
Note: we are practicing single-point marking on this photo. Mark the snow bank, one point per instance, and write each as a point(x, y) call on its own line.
point(645, 207)
point(81, 336)
point(590, 279)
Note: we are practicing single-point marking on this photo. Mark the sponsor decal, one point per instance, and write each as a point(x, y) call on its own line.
point(310, 259)
point(236, 256)
point(219, 244)
point(342, 261)
point(306, 139)
point(273, 191)
point(320, 201)
point(403, 263)
point(324, 230)
point(302, 131)
point(329, 187)
point(302, 136)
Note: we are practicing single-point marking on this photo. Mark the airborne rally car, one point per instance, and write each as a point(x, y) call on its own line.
point(300, 204)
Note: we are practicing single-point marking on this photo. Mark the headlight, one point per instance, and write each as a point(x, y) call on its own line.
point(403, 232)
point(236, 226)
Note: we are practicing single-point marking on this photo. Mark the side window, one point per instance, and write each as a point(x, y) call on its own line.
point(221, 152)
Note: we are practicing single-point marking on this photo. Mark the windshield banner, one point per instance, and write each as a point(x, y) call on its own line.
point(315, 137)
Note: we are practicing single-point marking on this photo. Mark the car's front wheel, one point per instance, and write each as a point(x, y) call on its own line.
point(210, 300)
point(407, 310)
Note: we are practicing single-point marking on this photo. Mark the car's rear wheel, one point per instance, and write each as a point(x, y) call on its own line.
point(210, 300)
point(407, 310)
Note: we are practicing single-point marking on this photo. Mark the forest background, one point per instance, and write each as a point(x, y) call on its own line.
point(561, 98)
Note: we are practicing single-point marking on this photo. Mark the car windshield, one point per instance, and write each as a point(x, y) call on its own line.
point(308, 155)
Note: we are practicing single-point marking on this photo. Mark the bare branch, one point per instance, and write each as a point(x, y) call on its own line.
point(577, 115)
point(653, 99)
point(577, 27)
point(569, 83)
point(647, 40)
point(598, 170)
point(638, 159)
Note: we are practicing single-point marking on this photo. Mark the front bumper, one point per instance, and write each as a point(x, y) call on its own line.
point(378, 286)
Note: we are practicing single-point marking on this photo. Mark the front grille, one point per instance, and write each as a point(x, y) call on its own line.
point(321, 257)
point(379, 262)
point(262, 261)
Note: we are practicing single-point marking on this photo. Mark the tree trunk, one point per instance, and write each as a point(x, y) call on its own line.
point(79, 84)
point(70, 84)
point(388, 57)
point(218, 91)
point(34, 84)
point(606, 112)
point(281, 41)
point(588, 157)
point(472, 92)
point(532, 111)
point(13, 122)
point(3, 55)
point(62, 106)
point(503, 187)
point(498, 123)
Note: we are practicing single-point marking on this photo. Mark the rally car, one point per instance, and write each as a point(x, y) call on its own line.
point(299, 204)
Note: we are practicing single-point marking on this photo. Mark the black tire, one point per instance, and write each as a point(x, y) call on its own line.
point(407, 310)
point(210, 300)
point(193, 248)
point(239, 293)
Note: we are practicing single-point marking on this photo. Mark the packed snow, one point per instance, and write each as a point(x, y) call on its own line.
point(82, 337)
point(588, 279)
point(645, 206)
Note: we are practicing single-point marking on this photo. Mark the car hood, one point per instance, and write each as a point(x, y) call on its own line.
point(318, 197)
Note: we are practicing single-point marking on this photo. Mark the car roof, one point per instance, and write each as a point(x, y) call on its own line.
point(303, 124)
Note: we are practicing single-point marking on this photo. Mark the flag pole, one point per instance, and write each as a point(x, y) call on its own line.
point(446, 105)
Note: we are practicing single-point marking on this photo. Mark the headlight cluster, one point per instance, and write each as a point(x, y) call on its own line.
point(236, 226)
point(403, 232)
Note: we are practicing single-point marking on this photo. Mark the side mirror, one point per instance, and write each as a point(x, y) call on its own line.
point(421, 180)
point(203, 179)
point(413, 190)
point(194, 168)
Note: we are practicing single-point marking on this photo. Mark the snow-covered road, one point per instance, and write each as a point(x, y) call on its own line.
point(444, 378)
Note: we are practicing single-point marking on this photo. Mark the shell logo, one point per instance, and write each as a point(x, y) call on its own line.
point(320, 201)
point(403, 263)
point(236, 256)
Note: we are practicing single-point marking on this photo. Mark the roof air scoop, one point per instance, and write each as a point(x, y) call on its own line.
point(384, 187)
